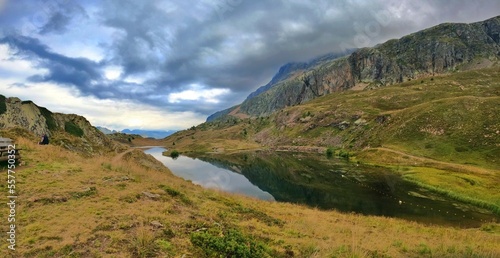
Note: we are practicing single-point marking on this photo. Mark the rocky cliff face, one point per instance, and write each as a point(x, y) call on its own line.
point(71, 131)
point(286, 72)
point(441, 49)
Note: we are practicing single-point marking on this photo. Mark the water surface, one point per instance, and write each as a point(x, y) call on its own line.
point(209, 176)
point(324, 183)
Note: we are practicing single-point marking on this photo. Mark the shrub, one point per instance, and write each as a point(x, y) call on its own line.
point(3, 105)
point(229, 243)
point(329, 152)
point(72, 128)
point(49, 119)
point(170, 191)
point(344, 154)
point(174, 154)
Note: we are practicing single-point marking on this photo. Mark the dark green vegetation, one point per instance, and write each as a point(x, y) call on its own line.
point(174, 154)
point(73, 129)
point(49, 118)
point(217, 242)
point(3, 106)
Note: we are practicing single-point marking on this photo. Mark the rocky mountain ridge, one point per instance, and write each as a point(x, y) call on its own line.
point(69, 130)
point(441, 49)
point(285, 72)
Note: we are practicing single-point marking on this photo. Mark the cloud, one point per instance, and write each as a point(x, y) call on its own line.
point(79, 72)
point(197, 93)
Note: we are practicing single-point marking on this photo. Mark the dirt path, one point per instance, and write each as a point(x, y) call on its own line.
point(459, 167)
point(120, 155)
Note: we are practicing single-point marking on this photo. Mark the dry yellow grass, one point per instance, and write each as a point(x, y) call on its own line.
point(72, 206)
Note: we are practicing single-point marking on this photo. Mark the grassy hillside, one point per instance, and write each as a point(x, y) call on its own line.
point(129, 205)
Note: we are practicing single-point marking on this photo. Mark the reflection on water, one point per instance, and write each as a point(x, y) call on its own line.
point(209, 176)
point(324, 183)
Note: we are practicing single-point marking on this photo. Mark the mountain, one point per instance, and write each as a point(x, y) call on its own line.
point(157, 134)
point(445, 48)
point(105, 130)
point(288, 70)
point(72, 131)
point(285, 72)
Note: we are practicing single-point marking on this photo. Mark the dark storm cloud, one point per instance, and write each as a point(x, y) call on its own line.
point(227, 44)
point(57, 23)
point(79, 72)
point(240, 44)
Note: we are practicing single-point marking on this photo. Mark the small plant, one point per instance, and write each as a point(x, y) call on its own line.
point(170, 191)
point(174, 154)
point(164, 245)
point(89, 192)
point(344, 154)
point(329, 152)
point(143, 243)
point(106, 166)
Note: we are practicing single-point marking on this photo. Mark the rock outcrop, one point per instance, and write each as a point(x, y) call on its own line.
point(69, 130)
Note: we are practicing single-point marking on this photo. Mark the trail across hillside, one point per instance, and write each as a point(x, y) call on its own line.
point(120, 155)
point(427, 161)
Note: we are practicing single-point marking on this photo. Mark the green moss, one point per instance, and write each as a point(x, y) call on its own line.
point(72, 128)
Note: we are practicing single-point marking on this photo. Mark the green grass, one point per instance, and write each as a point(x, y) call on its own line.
point(216, 242)
point(469, 188)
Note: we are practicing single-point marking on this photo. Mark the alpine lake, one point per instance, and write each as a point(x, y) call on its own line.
point(324, 183)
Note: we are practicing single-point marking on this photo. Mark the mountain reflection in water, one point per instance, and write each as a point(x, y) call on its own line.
point(314, 180)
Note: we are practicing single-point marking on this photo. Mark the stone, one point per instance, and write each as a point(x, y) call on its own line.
point(360, 121)
point(151, 195)
point(156, 224)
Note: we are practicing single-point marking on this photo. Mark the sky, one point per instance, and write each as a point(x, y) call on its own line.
point(168, 64)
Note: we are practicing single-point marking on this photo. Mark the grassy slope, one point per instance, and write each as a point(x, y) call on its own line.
point(70, 207)
point(435, 131)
